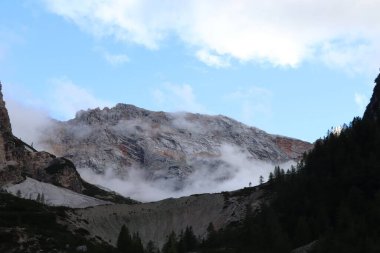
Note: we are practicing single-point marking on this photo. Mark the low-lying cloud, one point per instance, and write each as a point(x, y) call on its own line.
point(228, 168)
point(234, 170)
point(28, 123)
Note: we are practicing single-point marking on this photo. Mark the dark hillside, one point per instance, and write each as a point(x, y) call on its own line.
point(29, 226)
point(331, 202)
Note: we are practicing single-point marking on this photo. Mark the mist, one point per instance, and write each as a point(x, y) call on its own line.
point(233, 167)
point(28, 123)
point(236, 170)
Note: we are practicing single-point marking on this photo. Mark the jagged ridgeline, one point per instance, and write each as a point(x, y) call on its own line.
point(168, 152)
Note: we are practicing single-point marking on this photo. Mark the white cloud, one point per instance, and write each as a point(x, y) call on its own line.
point(236, 170)
point(113, 59)
point(212, 59)
point(31, 117)
point(361, 101)
point(66, 98)
point(253, 101)
point(177, 97)
point(28, 123)
point(116, 59)
point(283, 33)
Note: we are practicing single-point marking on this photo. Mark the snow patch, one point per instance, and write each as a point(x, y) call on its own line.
point(52, 195)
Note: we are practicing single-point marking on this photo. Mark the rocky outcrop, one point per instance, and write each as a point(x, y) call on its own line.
point(292, 147)
point(18, 160)
point(5, 131)
point(373, 108)
point(169, 145)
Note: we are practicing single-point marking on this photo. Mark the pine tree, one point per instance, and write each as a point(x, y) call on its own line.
point(187, 242)
point(124, 241)
point(271, 178)
point(137, 246)
point(171, 245)
point(261, 180)
point(151, 248)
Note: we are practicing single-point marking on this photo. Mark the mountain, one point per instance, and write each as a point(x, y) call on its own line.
point(52, 209)
point(19, 161)
point(169, 146)
point(329, 202)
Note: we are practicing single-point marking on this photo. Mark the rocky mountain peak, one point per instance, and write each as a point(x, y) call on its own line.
point(5, 124)
point(5, 129)
point(373, 108)
point(112, 115)
point(19, 160)
point(168, 147)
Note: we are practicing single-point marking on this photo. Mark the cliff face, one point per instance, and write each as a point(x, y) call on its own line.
point(373, 108)
point(168, 145)
point(18, 160)
point(5, 130)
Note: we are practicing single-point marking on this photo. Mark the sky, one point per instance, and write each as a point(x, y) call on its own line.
point(290, 67)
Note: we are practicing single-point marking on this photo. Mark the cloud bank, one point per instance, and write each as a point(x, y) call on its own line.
point(234, 170)
point(282, 33)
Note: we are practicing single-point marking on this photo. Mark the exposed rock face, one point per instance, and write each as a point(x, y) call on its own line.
point(373, 108)
point(170, 145)
point(5, 130)
point(18, 160)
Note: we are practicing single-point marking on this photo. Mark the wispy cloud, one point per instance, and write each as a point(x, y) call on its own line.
point(361, 101)
point(8, 38)
point(283, 33)
point(116, 59)
point(112, 58)
point(62, 100)
point(66, 98)
point(176, 97)
point(253, 102)
point(212, 59)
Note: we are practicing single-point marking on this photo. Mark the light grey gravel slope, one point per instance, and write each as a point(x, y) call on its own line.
point(52, 195)
point(154, 221)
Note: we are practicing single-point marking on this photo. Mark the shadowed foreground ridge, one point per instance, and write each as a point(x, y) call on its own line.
point(330, 204)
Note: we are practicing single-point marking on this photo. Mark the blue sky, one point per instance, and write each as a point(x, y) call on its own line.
point(294, 68)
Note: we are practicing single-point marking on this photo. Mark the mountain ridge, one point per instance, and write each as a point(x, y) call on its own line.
point(167, 146)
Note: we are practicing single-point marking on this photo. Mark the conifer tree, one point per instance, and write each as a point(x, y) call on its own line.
point(171, 245)
point(124, 241)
